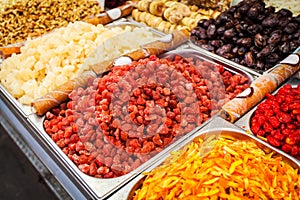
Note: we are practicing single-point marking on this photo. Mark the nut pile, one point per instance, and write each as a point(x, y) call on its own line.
point(31, 18)
point(250, 34)
point(278, 120)
point(125, 117)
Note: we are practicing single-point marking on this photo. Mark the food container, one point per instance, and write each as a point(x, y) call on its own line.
point(245, 121)
point(251, 34)
point(217, 127)
point(103, 187)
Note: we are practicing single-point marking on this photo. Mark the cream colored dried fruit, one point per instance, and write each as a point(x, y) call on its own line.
point(53, 59)
point(156, 13)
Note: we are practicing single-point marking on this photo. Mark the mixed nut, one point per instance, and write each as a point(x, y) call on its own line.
point(32, 18)
point(250, 34)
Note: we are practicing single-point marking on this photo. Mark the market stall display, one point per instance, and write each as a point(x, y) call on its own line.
point(31, 18)
point(250, 34)
point(124, 118)
point(106, 105)
point(50, 61)
point(168, 16)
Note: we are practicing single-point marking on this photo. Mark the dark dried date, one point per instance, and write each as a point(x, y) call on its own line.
point(250, 24)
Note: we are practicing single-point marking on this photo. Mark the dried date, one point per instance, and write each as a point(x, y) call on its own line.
point(250, 24)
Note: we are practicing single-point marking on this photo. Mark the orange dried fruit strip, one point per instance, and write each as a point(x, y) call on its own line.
point(232, 169)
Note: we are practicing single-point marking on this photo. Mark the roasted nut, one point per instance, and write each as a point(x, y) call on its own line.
point(32, 18)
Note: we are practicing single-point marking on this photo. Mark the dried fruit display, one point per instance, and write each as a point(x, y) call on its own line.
point(168, 16)
point(250, 34)
point(31, 18)
point(221, 169)
point(277, 120)
point(125, 117)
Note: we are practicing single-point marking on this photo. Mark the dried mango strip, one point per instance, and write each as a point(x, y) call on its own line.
point(231, 170)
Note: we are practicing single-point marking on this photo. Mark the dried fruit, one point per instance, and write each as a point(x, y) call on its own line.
point(251, 27)
point(119, 122)
point(280, 125)
point(220, 168)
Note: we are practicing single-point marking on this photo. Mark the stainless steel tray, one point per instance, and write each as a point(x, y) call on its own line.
point(217, 127)
point(230, 66)
point(244, 122)
point(23, 109)
point(102, 188)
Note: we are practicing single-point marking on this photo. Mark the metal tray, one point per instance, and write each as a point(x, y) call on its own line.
point(217, 127)
point(244, 122)
point(102, 188)
point(193, 52)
